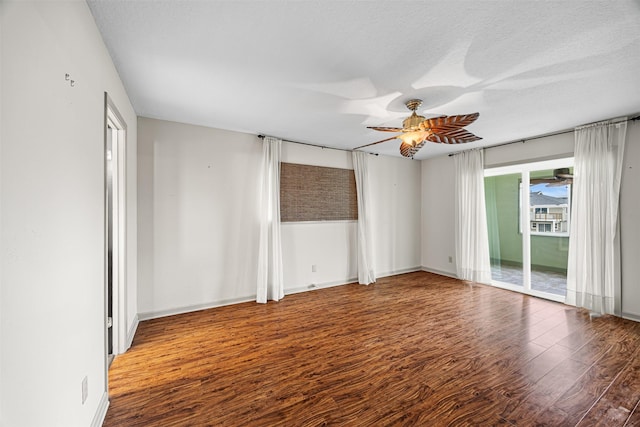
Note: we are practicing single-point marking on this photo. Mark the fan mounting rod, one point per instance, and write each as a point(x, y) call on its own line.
point(413, 121)
point(413, 104)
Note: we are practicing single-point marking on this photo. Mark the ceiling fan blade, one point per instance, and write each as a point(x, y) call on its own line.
point(450, 122)
point(535, 181)
point(408, 150)
point(385, 129)
point(459, 136)
point(374, 143)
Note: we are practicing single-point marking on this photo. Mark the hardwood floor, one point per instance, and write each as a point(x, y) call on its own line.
point(412, 350)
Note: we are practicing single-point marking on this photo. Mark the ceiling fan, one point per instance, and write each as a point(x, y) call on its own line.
point(416, 130)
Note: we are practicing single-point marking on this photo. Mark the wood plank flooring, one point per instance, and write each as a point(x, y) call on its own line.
point(411, 350)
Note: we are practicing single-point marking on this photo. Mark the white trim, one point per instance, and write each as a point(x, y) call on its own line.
point(311, 287)
point(132, 332)
point(525, 218)
point(631, 316)
point(101, 412)
point(316, 286)
point(114, 119)
point(190, 308)
point(440, 272)
point(397, 272)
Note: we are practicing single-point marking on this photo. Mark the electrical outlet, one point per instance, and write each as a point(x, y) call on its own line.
point(314, 268)
point(450, 259)
point(85, 389)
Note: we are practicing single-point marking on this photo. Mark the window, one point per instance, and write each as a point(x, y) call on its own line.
point(544, 227)
point(314, 193)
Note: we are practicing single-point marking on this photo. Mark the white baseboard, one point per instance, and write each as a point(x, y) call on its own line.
point(440, 272)
point(132, 332)
point(181, 310)
point(396, 272)
point(101, 413)
point(317, 286)
point(631, 316)
point(187, 309)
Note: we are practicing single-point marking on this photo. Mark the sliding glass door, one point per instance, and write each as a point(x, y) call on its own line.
point(502, 195)
point(528, 219)
point(549, 223)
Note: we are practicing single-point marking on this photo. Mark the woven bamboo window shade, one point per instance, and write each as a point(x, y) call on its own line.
point(315, 193)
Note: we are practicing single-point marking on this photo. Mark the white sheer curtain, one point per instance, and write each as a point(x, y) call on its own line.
point(366, 270)
point(270, 283)
point(471, 237)
point(593, 247)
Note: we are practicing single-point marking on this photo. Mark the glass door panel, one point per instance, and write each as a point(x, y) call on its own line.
point(550, 216)
point(502, 196)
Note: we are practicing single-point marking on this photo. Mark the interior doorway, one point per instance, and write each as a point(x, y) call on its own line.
point(109, 215)
point(115, 231)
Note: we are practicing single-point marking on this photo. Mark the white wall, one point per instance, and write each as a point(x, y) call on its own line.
point(438, 205)
point(438, 222)
point(551, 147)
point(198, 225)
point(52, 292)
point(197, 216)
point(330, 246)
point(629, 224)
point(395, 204)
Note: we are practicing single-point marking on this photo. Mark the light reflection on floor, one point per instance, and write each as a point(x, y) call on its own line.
point(552, 282)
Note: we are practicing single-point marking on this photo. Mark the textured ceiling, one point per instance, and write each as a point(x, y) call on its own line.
point(321, 71)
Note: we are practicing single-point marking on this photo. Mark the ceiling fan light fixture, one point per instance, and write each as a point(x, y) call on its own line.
point(414, 138)
point(416, 130)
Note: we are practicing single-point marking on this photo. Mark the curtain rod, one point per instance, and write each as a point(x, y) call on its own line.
point(562, 132)
point(316, 145)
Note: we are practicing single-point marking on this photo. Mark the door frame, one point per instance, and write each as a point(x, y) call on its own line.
point(524, 169)
point(113, 118)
